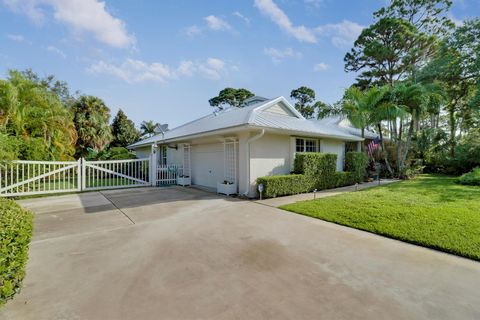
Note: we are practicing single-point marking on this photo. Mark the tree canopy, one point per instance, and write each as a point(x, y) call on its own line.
point(91, 118)
point(123, 131)
point(230, 97)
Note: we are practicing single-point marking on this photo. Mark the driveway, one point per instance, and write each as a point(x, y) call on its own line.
point(177, 253)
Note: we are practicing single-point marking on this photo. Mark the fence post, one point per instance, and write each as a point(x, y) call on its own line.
point(150, 169)
point(83, 174)
point(79, 174)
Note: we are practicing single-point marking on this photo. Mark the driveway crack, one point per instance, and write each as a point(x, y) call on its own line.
point(113, 203)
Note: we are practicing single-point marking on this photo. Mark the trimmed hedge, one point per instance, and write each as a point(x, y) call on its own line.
point(283, 185)
point(315, 171)
point(356, 163)
point(15, 234)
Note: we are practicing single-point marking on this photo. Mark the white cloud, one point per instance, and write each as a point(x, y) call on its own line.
point(193, 31)
point(242, 17)
point(322, 66)
point(88, 16)
point(271, 10)
point(30, 8)
point(217, 24)
point(56, 51)
point(455, 20)
point(16, 37)
point(137, 71)
point(341, 34)
point(278, 55)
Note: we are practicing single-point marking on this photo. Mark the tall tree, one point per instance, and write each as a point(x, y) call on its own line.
point(457, 66)
point(304, 101)
point(91, 118)
point(149, 128)
point(230, 97)
point(123, 131)
point(388, 51)
point(429, 16)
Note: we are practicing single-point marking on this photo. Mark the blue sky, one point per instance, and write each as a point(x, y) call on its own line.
point(163, 60)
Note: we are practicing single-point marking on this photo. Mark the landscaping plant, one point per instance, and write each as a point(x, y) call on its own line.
point(15, 234)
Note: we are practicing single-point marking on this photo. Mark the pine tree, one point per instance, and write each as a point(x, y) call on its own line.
point(123, 131)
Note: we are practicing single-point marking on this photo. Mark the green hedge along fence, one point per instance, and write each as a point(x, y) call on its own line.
point(315, 171)
point(15, 234)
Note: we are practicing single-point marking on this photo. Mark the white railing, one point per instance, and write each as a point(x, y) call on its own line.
point(22, 177)
point(114, 174)
point(167, 174)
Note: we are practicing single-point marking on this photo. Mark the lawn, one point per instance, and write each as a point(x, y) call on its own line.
point(431, 211)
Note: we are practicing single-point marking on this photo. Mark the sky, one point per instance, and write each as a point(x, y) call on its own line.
point(163, 60)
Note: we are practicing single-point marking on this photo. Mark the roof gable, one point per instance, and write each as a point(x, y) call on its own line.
point(280, 109)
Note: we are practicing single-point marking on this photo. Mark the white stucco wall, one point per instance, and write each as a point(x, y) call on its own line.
point(270, 155)
point(334, 146)
point(143, 152)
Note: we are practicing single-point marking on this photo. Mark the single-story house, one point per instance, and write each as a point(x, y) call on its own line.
point(238, 145)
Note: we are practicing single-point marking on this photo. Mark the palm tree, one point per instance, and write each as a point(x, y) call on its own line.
point(91, 118)
point(359, 106)
point(149, 128)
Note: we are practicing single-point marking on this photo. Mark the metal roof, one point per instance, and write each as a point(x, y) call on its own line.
point(254, 115)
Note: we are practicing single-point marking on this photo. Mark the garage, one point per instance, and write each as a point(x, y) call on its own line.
point(207, 162)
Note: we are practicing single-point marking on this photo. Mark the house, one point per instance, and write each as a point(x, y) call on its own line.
point(238, 145)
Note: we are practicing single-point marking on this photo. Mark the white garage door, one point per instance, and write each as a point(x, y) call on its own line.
point(207, 164)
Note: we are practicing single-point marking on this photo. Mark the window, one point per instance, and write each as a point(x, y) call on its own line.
point(162, 156)
point(306, 145)
point(300, 145)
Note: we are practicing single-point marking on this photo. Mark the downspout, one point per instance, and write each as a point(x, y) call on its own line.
point(252, 139)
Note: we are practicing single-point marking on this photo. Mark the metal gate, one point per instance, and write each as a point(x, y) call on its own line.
point(22, 177)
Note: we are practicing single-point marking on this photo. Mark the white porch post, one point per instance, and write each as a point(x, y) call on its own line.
point(153, 165)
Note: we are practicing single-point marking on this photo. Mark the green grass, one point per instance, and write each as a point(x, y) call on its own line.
point(431, 211)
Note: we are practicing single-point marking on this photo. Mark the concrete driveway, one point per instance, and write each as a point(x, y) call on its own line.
point(185, 254)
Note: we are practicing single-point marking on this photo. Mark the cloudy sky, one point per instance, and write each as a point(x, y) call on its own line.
point(163, 60)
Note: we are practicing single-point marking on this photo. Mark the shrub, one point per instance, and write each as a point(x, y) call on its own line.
point(314, 164)
point(472, 178)
point(282, 185)
point(342, 179)
point(356, 163)
point(15, 235)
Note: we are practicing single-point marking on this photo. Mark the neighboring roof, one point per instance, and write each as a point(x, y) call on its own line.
point(259, 113)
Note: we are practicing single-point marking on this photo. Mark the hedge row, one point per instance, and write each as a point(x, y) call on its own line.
point(356, 163)
point(15, 235)
point(315, 171)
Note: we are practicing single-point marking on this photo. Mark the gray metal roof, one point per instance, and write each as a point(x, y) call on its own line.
point(254, 115)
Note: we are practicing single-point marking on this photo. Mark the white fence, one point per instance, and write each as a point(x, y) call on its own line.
point(167, 174)
point(39, 177)
point(114, 174)
point(20, 177)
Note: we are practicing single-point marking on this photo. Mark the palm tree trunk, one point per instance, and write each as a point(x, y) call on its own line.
point(384, 151)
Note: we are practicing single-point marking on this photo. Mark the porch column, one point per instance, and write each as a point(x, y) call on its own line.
point(153, 165)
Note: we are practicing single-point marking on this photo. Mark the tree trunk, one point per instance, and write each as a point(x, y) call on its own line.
point(384, 151)
point(452, 130)
point(407, 146)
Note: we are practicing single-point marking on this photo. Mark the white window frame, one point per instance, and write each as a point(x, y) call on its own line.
point(304, 147)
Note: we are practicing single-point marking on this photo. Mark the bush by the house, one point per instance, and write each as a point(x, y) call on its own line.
point(282, 185)
point(356, 163)
point(315, 171)
point(15, 235)
point(472, 178)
